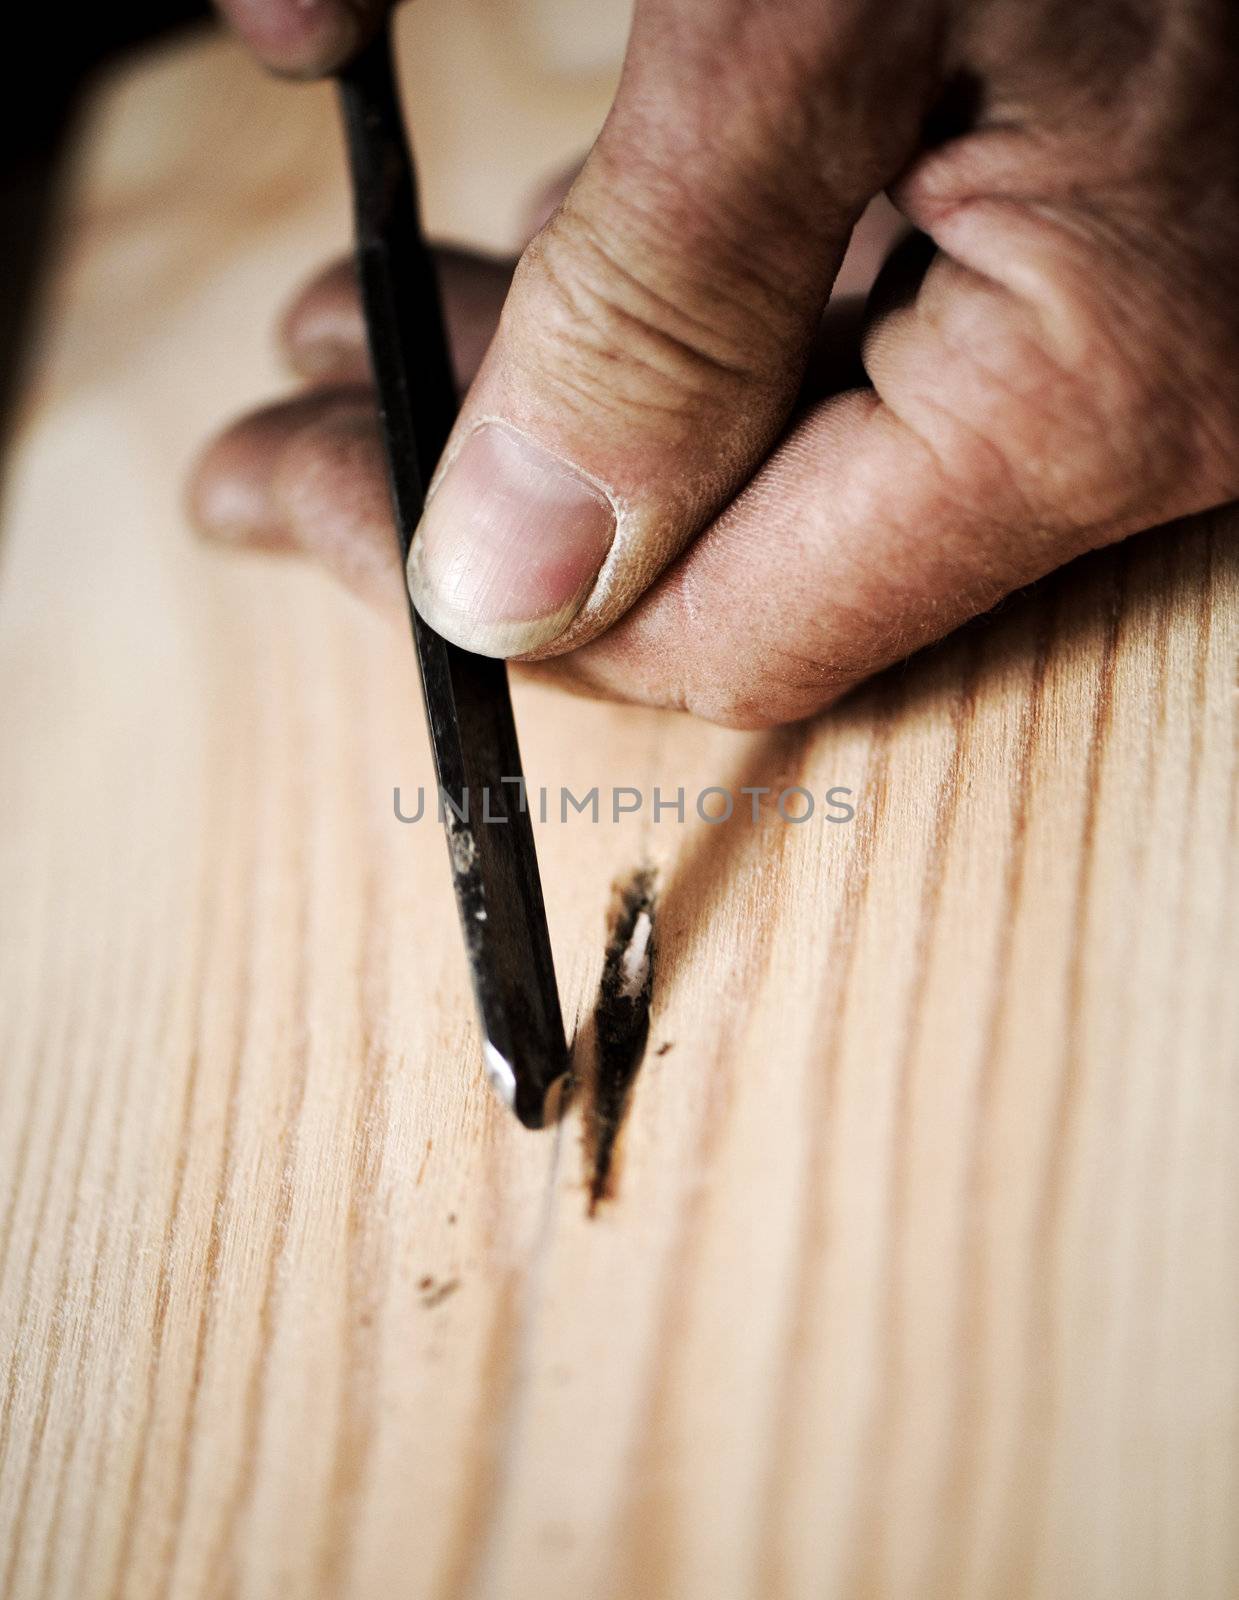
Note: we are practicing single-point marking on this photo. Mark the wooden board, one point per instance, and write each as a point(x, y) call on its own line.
point(919, 1275)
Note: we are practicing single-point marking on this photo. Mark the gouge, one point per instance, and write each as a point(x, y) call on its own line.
point(468, 706)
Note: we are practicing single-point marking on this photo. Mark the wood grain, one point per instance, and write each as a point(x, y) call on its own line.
point(919, 1277)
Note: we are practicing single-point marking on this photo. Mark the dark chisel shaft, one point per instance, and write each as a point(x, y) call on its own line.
point(468, 706)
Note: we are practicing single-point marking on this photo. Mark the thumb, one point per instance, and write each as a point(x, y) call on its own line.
point(656, 331)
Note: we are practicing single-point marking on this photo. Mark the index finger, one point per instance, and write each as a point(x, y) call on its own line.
point(304, 38)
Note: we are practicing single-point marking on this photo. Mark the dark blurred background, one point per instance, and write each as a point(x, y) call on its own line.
point(64, 49)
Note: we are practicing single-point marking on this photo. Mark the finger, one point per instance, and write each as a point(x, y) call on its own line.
point(657, 329)
point(1062, 376)
point(304, 38)
point(306, 477)
point(983, 459)
point(323, 334)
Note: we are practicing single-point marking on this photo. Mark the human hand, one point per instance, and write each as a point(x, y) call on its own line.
point(304, 38)
point(642, 486)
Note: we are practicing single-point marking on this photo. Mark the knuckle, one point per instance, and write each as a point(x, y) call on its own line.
point(606, 322)
point(1126, 424)
point(1080, 408)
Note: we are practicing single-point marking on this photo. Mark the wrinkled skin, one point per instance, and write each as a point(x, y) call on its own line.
point(1052, 365)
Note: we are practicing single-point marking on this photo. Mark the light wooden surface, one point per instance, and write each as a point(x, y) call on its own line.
point(921, 1277)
